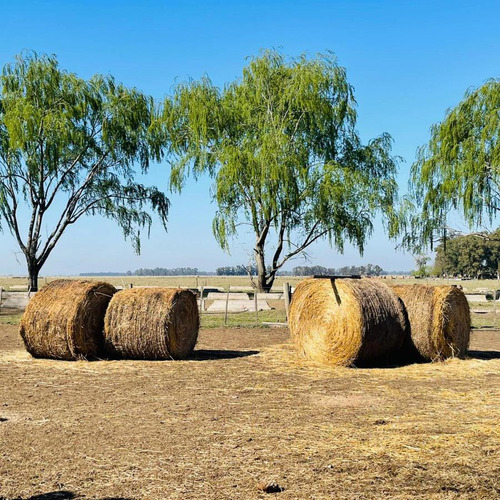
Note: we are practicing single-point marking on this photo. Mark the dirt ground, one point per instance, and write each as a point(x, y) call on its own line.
point(245, 412)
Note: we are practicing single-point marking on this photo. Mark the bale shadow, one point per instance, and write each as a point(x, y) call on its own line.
point(54, 495)
point(214, 354)
point(484, 355)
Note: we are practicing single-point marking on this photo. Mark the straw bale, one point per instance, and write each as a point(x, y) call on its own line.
point(65, 319)
point(347, 321)
point(152, 323)
point(439, 318)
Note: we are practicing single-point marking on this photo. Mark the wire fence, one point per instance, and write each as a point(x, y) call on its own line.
point(232, 307)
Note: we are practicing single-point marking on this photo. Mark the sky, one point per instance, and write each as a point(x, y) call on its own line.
point(408, 61)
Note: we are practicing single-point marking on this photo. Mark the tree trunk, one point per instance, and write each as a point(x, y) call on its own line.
point(33, 270)
point(263, 284)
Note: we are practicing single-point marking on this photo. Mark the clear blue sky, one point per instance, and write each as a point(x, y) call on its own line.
point(408, 61)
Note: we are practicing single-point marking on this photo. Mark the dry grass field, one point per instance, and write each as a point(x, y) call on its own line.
point(487, 317)
point(243, 412)
point(224, 282)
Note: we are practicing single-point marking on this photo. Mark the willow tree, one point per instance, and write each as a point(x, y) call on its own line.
point(281, 146)
point(458, 170)
point(70, 148)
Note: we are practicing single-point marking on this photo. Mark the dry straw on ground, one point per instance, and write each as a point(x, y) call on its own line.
point(152, 323)
point(65, 319)
point(347, 321)
point(439, 319)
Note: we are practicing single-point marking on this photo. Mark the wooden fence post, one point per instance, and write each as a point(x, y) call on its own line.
point(227, 303)
point(494, 309)
point(286, 292)
point(201, 299)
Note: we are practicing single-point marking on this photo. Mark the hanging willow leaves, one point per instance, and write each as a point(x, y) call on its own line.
point(281, 146)
point(69, 148)
point(458, 170)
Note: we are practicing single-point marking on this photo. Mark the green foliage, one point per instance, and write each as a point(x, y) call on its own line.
point(459, 169)
point(423, 270)
point(239, 270)
point(282, 148)
point(475, 256)
point(243, 320)
point(68, 148)
point(10, 319)
point(162, 271)
point(368, 270)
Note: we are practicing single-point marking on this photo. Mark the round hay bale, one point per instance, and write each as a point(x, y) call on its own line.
point(439, 318)
point(347, 321)
point(152, 323)
point(65, 320)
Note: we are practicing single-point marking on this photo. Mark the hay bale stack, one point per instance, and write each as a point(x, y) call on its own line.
point(152, 323)
point(439, 320)
point(347, 321)
point(65, 320)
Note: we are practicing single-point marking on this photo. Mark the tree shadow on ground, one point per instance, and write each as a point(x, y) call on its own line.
point(485, 355)
point(65, 495)
point(214, 354)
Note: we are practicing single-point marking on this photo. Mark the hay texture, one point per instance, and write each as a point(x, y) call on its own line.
point(439, 319)
point(65, 320)
point(152, 323)
point(347, 321)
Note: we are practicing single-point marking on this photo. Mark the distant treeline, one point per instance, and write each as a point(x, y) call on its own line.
point(157, 271)
point(236, 271)
point(104, 274)
point(368, 270)
point(177, 271)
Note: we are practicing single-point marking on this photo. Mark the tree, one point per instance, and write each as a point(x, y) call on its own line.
point(474, 256)
point(282, 148)
point(423, 270)
point(459, 169)
point(68, 148)
point(235, 270)
point(373, 270)
point(312, 270)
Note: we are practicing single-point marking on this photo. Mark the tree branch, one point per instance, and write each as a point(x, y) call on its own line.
point(68, 212)
point(311, 238)
point(12, 215)
point(279, 247)
point(68, 170)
